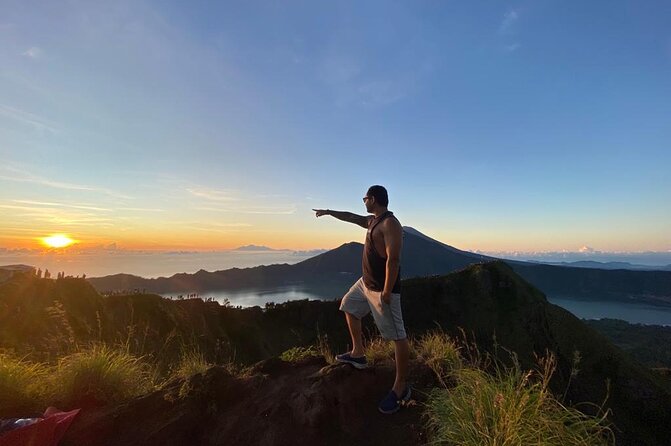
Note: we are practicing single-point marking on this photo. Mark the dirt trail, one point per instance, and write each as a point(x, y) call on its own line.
point(280, 403)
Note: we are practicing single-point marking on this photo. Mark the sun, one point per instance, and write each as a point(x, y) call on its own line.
point(57, 241)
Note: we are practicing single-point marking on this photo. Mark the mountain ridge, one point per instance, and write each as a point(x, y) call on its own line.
point(422, 256)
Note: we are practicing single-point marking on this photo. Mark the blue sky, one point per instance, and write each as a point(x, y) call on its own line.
point(496, 126)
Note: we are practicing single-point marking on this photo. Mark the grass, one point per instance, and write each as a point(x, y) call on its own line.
point(508, 407)
point(439, 352)
point(100, 374)
point(378, 350)
point(21, 385)
point(299, 353)
point(191, 362)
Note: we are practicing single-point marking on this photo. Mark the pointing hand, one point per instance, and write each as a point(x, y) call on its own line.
point(320, 212)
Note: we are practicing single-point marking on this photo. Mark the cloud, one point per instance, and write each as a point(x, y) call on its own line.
point(22, 176)
point(219, 200)
point(266, 210)
point(213, 194)
point(141, 209)
point(33, 52)
point(73, 206)
point(27, 118)
point(379, 93)
point(336, 69)
point(587, 250)
point(511, 48)
point(509, 19)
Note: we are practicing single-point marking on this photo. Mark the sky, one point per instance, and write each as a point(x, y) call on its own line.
point(523, 126)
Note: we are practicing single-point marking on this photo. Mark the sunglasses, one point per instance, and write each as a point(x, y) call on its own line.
point(366, 198)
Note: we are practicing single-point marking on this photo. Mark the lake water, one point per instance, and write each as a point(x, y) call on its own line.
point(633, 313)
point(630, 312)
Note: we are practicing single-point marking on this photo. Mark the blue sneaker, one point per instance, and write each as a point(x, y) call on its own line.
point(392, 403)
point(346, 358)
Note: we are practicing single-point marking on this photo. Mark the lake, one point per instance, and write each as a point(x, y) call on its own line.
point(631, 312)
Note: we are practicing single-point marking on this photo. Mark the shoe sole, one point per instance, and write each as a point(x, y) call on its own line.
point(356, 365)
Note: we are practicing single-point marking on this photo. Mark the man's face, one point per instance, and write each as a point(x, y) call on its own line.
point(369, 201)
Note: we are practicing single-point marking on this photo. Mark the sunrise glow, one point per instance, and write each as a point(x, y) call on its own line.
point(57, 241)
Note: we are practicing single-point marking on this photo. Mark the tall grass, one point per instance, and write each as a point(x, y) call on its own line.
point(191, 361)
point(509, 407)
point(439, 352)
point(21, 385)
point(100, 374)
point(378, 350)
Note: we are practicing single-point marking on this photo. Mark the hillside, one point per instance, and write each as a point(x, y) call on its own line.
point(489, 301)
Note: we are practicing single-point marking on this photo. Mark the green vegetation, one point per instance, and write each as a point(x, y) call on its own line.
point(439, 352)
point(191, 362)
point(378, 350)
point(299, 353)
point(21, 385)
point(506, 407)
point(101, 374)
point(648, 344)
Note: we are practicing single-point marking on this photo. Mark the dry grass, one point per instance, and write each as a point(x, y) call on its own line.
point(21, 385)
point(510, 407)
point(101, 374)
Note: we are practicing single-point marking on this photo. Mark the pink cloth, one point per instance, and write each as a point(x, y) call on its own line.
point(46, 432)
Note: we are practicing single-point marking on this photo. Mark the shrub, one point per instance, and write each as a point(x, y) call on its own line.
point(509, 408)
point(100, 375)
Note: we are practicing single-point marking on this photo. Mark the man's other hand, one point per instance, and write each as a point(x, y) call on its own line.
point(386, 297)
point(320, 212)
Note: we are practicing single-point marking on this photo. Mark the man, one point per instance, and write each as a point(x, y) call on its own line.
point(378, 291)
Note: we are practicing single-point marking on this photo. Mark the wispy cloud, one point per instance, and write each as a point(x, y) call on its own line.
point(73, 206)
point(231, 201)
point(267, 210)
point(22, 176)
point(380, 93)
point(55, 216)
point(33, 52)
point(27, 118)
point(508, 21)
point(213, 194)
point(141, 209)
point(511, 48)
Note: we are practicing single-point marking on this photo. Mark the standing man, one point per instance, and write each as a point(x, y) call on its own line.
point(378, 291)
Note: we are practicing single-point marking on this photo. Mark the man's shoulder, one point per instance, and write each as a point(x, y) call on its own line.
point(392, 223)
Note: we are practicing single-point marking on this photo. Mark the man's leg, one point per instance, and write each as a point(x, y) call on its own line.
point(402, 356)
point(354, 325)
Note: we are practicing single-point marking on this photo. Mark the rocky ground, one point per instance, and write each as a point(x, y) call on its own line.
point(277, 403)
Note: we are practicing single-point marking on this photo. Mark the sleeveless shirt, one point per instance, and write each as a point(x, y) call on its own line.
point(373, 265)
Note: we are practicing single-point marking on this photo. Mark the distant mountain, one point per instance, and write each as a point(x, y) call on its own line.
point(254, 248)
point(610, 265)
point(8, 271)
point(422, 256)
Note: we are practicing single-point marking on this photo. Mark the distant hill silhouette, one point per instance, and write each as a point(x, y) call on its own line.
point(495, 306)
point(422, 256)
point(610, 265)
point(254, 248)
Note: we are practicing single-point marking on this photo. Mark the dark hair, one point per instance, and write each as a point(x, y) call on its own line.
point(380, 194)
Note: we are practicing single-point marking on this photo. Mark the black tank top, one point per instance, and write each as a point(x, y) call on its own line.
point(373, 265)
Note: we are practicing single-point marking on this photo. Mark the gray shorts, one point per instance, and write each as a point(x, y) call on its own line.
point(359, 301)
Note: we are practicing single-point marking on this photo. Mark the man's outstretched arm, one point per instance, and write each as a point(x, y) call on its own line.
point(344, 216)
